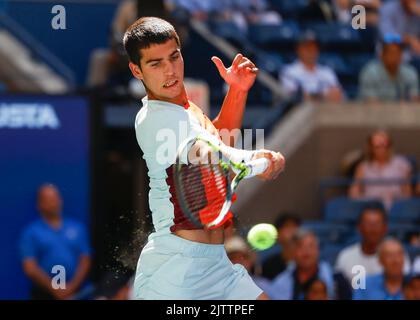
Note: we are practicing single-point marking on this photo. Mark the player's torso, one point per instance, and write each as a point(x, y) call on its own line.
point(204, 236)
point(166, 214)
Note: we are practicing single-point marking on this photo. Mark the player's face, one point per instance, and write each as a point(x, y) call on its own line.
point(162, 70)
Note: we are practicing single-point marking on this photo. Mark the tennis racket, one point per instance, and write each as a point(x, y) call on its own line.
point(206, 175)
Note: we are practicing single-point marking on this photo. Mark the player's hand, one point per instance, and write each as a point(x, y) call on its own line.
point(240, 75)
point(61, 294)
point(276, 164)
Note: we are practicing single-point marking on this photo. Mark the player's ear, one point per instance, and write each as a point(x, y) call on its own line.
point(135, 70)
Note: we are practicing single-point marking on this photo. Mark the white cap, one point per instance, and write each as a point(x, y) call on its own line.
point(236, 244)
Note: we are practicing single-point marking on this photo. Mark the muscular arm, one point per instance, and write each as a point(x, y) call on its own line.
point(232, 111)
point(240, 77)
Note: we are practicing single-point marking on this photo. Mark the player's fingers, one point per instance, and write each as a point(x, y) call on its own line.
point(236, 61)
point(252, 70)
point(271, 167)
point(246, 64)
point(280, 163)
point(219, 64)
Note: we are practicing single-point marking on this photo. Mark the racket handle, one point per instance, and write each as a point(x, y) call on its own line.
point(257, 166)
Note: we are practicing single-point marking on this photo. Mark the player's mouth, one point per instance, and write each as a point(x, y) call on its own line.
point(170, 84)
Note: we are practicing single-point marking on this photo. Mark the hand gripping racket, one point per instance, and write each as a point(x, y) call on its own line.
point(206, 175)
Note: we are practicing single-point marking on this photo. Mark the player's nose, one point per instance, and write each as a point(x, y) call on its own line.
point(169, 69)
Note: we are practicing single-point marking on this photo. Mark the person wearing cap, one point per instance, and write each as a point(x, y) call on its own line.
point(388, 79)
point(239, 252)
point(316, 81)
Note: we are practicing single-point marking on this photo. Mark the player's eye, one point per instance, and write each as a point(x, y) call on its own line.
point(154, 65)
point(175, 57)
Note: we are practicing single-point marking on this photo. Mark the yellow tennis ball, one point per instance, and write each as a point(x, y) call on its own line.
point(262, 236)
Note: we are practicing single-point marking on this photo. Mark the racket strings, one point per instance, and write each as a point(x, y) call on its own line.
point(204, 190)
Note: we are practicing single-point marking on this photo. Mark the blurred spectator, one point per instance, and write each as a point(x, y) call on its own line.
point(372, 226)
point(257, 12)
point(200, 9)
point(342, 10)
point(240, 12)
point(388, 78)
point(413, 238)
point(416, 265)
point(111, 64)
point(411, 288)
point(418, 188)
point(108, 66)
point(388, 284)
point(316, 81)
point(54, 241)
point(402, 17)
point(240, 253)
point(317, 291)
point(382, 164)
point(286, 224)
point(292, 283)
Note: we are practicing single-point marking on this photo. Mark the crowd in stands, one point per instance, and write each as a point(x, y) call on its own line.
point(364, 248)
point(377, 267)
point(377, 60)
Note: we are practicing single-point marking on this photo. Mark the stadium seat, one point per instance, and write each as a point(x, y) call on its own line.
point(350, 89)
point(358, 60)
point(412, 251)
point(343, 210)
point(337, 37)
point(288, 8)
point(230, 32)
point(329, 233)
point(271, 62)
point(271, 37)
point(405, 211)
point(401, 230)
point(335, 62)
point(330, 252)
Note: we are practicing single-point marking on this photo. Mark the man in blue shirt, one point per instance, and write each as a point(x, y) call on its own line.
point(386, 285)
point(52, 244)
point(293, 283)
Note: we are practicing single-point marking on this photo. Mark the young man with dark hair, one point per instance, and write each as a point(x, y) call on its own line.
point(181, 261)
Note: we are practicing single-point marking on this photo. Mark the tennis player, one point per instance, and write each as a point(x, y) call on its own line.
point(181, 261)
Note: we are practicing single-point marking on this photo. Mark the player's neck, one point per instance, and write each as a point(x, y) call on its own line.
point(54, 221)
point(181, 99)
